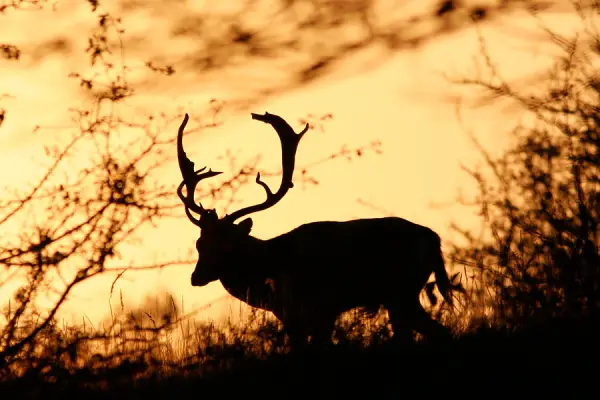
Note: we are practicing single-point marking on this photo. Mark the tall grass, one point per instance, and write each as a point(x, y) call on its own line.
point(161, 350)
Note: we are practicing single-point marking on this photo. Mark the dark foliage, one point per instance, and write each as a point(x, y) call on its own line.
point(537, 257)
point(493, 360)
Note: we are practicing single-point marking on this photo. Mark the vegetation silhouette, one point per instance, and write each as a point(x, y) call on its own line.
point(537, 255)
point(283, 38)
point(309, 276)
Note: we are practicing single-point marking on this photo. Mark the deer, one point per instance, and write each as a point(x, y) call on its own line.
point(310, 275)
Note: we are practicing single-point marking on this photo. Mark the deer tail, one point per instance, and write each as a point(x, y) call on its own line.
point(441, 276)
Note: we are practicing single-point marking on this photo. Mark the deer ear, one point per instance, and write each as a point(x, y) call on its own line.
point(246, 226)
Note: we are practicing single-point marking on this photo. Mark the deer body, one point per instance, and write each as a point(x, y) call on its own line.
point(310, 275)
point(322, 269)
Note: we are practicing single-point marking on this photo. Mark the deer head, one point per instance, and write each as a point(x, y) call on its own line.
point(222, 241)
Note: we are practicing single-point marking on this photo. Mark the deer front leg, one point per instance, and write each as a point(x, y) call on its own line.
point(321, 333)
point(297, 334)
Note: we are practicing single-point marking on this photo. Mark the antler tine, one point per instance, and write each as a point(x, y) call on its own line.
point(191, 178)
point(289, 144)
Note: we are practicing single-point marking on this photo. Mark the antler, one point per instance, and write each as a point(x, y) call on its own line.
point(190, 179)
point(289, 144)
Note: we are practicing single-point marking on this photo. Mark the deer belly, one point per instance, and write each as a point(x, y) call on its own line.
point(328, 296)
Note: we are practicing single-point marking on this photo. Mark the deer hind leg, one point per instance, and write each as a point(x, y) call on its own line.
point(401, 326)
point(426, 325)
point(404, 318)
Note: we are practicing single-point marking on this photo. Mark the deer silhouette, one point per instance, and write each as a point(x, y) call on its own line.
point(310, 275)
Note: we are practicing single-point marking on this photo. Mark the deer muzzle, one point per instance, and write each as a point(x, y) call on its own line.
point(198, 280)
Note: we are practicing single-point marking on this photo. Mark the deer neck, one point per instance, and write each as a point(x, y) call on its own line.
point(247, 276)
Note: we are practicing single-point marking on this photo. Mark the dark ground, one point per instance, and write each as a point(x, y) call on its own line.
point(556, 357)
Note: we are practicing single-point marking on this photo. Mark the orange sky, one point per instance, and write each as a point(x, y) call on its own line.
point(404, 102)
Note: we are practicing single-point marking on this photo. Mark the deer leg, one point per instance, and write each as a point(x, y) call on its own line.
point(298, 336)
point(321, 334)
point(298, 341)
point(427, 326)
point(400, 321)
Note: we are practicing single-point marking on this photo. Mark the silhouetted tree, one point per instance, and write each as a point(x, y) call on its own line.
point(96, 189)
point(537, 256)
